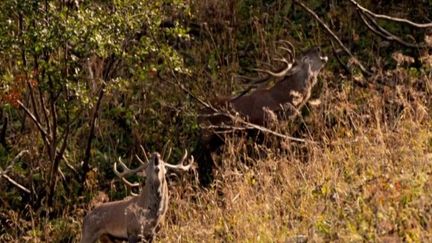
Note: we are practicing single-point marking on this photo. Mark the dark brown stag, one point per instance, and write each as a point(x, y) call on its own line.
point(283, 100)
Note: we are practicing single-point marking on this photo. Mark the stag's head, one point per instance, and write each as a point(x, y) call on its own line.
point(154, 169)
point(312, 58)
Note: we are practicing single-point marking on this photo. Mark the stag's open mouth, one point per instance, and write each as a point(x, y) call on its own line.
point(324, 58)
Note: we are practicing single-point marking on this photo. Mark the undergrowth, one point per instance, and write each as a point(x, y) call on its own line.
point(364, 172)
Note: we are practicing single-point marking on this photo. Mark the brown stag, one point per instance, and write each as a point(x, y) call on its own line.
point(284, 99)
point(136, 218)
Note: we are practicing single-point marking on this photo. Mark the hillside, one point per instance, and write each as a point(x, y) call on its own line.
point(83, 83)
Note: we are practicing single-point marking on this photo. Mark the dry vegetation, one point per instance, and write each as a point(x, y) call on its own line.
point(365, 173)
point(369, 179)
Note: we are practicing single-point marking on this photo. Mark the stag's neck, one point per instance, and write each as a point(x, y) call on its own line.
point(297, 81)
point(154, 197)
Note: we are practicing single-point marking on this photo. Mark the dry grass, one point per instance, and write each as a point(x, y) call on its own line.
point(368, 187)
point(369, 178)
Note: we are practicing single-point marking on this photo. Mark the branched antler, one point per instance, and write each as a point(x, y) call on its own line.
point(126, 171)
point(180, 165)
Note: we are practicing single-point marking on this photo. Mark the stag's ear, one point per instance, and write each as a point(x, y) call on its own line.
point(306, 59)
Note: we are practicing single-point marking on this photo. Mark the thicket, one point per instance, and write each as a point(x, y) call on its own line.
point(85, 82)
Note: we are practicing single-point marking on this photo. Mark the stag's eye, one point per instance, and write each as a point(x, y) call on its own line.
point(306, 59)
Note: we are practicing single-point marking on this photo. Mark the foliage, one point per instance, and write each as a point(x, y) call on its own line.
point(85, 82)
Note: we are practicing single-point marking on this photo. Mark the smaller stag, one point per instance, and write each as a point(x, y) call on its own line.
point(135, 218)
point(291, 91)
point(285, 98)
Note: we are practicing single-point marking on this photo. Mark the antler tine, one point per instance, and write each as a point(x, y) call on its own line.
point(284, 60)
point(290, 47)
point(180, 164)
point(140, 160)
point(264, 63)
point(289, 64)
point(165, 147)
point(127, 171)
point(169, 154)
point(145, 155)
point(164, 151)
point(291, 55)
point(278, 74)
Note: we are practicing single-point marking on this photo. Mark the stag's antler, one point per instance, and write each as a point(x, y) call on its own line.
point(126, 171)
point(180, 165)
point(289, 61)
point(166, 156)
point(288, 47)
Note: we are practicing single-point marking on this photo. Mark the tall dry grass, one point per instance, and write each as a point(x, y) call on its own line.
point(368, 177)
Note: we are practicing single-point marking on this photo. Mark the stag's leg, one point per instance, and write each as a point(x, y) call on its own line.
point(89, 238)
point(208, 144)
point(133, 239)
point(92, 228)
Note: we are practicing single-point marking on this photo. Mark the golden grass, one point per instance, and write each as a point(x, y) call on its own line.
point(374, 187)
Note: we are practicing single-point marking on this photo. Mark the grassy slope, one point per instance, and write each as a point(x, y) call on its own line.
point(368, 177)
point(371, 181)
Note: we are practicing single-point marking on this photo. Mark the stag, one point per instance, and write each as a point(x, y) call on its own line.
point(283, 100)
point(136, 218)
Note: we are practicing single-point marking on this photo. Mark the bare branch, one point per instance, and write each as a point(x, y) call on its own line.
point(334, 36)
point(13, 182)
point(44, 109)
point(3, 131)
point(36, 122)
point(347, 69)
point(3, 173)
point(383, 33)
point(86, 160)
point(386, 17)
point(269, 131)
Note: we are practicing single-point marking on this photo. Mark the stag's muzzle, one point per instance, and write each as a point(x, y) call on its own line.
point(324, 58)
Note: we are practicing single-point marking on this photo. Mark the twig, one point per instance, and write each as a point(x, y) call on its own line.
point(266, 130)
point(347, 69)
point(39, 126)
point(13, 182)
point(334, 36)
point(386, 17)
point(3, 173)
point(87, 153)
point(3, 132)
point(188, 92)
point(383, 33)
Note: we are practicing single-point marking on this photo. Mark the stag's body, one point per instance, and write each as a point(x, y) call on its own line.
point(288, 95)
point(135, 218)
point(141, 215)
